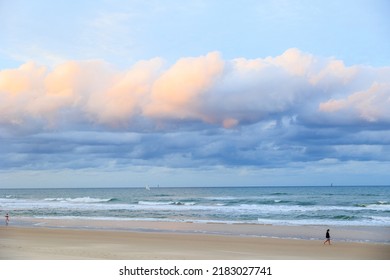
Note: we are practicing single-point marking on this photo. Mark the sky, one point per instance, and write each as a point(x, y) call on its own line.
point(194, 93)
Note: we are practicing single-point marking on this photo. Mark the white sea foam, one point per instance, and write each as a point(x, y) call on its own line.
point(155, 203)
point(100, 203)
point(86, 199)
point(379, 207)
point(382, 202)
point(378, 221)
point(225, 205)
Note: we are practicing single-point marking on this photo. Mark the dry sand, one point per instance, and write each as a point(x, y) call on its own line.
point(31, 243)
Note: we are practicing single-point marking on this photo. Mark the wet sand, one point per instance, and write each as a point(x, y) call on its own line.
point(48, 243)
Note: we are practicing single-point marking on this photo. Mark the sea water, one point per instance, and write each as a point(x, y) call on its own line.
point(338, 206)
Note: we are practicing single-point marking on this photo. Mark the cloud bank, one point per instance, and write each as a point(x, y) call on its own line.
point(200, 111)
point(205, 89)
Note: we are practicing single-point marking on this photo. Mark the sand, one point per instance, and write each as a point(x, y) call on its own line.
point(45, 243)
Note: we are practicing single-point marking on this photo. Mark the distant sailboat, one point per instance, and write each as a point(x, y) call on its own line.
point(147, 188)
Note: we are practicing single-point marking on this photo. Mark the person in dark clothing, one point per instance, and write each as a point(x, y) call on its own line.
point(327, 236)
point(6, 219)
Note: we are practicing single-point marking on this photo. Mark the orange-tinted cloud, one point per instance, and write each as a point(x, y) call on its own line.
point(205, 89)
point(178, 92)
point(370, 105)
point(125, 96)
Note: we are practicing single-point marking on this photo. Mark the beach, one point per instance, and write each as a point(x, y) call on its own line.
point(207, 223)
point(55, 243)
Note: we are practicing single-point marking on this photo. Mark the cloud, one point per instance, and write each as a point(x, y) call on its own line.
point(370, 105)
point(179, 91)
point(200, 112)
point(124, 96)
point(205, 89)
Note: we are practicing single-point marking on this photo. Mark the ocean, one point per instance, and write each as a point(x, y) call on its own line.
point(330, 206)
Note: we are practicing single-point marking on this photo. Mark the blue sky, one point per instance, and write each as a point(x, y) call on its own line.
point(194, 93)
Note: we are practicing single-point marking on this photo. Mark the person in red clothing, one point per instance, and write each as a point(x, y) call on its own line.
point(6, 219)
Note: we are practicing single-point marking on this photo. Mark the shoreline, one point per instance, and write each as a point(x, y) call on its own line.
point(79, 239)
point(42, 243)
point(358, 234)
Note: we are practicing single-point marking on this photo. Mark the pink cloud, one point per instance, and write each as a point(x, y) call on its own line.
point(126, 95)
point(178, 92)
point(370, 105)
point(207, 89)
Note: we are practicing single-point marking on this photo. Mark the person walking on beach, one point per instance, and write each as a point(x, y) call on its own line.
point(327, 236)
point(6, 219)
